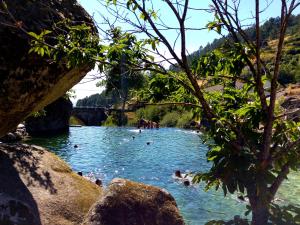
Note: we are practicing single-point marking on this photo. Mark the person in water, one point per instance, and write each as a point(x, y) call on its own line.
point(184, 178)
point(186, 183)
point(178, 173)
point(98, 182)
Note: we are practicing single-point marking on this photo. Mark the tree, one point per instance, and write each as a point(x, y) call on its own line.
point(120, 77)
point(255, 144)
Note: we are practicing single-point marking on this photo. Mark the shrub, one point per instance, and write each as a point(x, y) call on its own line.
point(154, 113)
point(170, 119)
point(75, 121)
point(185, 119)
point(111, 121)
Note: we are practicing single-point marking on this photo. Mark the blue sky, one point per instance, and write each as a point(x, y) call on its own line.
point(195, 19)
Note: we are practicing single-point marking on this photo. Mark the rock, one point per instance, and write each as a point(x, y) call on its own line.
point(29, 82)
point(130, 203)
point(292, 108)
point(11, 137)
point(18, 135)
point(55, 120)
point(38, 188)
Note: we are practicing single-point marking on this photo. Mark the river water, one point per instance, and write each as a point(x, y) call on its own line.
point(107, 152)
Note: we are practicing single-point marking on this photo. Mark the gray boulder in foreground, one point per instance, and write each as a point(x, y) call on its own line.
point(130, 203)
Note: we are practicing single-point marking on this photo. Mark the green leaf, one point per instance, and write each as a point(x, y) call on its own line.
point(32, 34)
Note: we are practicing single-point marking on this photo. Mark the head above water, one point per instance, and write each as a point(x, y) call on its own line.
point(98, 182)
point(186, 183)
point(177, 173)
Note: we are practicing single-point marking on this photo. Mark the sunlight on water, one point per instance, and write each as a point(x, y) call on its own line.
point(107, 153)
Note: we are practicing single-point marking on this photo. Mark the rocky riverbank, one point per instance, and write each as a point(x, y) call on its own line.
point(38, 188)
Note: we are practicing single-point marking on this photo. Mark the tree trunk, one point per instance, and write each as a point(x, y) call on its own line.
point(123, 116)
point(259, 202)
point(260, 214)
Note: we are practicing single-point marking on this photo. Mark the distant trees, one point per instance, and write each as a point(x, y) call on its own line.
point(98, 100)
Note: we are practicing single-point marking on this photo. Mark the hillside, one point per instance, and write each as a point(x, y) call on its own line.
point(290, 70)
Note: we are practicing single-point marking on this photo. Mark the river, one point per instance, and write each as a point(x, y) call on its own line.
point(107, 152)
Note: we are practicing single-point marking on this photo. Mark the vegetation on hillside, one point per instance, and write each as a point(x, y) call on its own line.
point(290, 69)
point(99, 100)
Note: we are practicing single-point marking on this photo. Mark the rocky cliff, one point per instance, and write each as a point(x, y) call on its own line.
point(29, 82)
point(54, 121)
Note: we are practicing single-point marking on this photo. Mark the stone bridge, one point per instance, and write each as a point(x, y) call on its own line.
point(90, 116)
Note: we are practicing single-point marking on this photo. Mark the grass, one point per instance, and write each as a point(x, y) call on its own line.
point(75, 121)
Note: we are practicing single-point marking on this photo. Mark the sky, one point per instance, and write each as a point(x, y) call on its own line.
point(195, 19)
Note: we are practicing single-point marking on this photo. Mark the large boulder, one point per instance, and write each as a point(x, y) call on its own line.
point(38, 188)
point(18, 135)
point(55, 119)
point(130, 203)
point(29, 82)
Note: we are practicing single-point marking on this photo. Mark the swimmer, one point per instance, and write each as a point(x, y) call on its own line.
point(75, 146)
point(98, 182)
point(133, 137)
point(186, 183)
point(178, 173)
point(148, 143)
point(140, 131)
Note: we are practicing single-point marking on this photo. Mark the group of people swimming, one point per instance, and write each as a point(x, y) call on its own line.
point(185, 178)
point(147, 124)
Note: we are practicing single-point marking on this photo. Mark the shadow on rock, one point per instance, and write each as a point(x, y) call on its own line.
point(28, 164)
point(17, 205)
point(37, 187)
